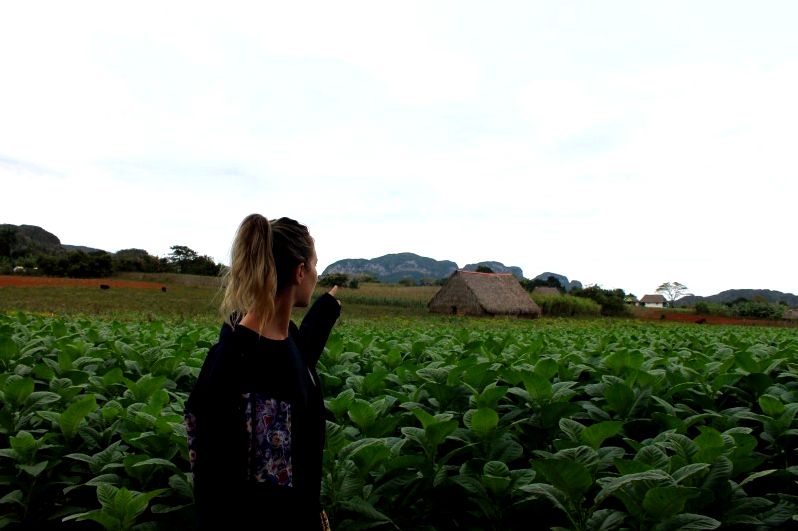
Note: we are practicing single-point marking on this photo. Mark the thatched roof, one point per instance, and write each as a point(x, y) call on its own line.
point(653, 299)
point(483, 293)
point(545, 290)
point(791, 314)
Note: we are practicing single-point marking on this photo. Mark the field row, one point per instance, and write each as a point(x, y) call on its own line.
point(468, 424)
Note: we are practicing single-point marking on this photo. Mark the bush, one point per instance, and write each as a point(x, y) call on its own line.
point(611, 301)
point(77, 264)
point(702, 308)
point(334, 279)
point(550, 282)
point(137, 260)
point(758, 310)
point(567, 306)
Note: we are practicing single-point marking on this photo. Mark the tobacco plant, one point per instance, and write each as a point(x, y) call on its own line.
point(462, 425)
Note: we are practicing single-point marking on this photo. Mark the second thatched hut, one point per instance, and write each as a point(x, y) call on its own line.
point(468, 293)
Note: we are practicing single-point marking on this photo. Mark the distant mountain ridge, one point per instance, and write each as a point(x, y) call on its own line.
point(392, 268)
point(731, 295)
point(24, 240)
point(562, 279)
point(496, 267)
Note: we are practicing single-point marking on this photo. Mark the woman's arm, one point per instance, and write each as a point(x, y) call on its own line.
point(315, 329)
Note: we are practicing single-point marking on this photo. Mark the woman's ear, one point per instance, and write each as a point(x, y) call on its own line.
point(299, 273)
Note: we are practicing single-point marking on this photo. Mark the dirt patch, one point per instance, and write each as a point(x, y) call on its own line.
point(34, 282)
point(174, 279)
point(657, 314)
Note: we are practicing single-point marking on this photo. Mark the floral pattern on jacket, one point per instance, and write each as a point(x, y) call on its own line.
point(270, 440)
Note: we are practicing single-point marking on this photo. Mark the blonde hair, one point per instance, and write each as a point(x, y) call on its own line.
point(263, 258)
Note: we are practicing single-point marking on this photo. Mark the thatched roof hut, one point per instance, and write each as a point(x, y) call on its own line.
point(791, 314)
point(468, 293)
point(655, 301)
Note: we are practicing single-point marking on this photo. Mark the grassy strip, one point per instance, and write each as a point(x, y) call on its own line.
point(567, 306)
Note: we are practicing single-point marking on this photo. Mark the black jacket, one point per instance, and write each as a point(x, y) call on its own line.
point(256, 426)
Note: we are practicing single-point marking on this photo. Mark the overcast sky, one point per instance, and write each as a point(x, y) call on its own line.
point(623, 144)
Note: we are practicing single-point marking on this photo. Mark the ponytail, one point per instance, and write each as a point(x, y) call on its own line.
point(263, 257)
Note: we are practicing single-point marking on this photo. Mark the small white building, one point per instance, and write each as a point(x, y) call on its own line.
point(653, 301)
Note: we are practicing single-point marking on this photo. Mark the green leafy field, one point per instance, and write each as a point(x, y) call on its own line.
point(434, 424)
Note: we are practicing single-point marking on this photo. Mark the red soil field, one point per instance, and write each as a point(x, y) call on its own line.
point(34, 282)
point(655, 314)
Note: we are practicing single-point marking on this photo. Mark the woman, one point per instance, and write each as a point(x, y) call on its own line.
point(255, 418)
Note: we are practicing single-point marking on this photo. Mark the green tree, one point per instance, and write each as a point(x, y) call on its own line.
point(136, 260)
point(187, 260)
point(484, 269)
point(181, 255)
point(612, 301)
point(334, 279)
point(550, 282)
point(77, 264)
point(673, 291)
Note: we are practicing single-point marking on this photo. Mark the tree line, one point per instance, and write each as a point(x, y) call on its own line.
point(99, 264)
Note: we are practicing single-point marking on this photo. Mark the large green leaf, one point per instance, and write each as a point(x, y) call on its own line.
point(611, 485)
point(146, 386)
point(597, 433)
point(662, 502)
point(425, 418)
point(605, 520)
point(34, 470)
point(653, 456)
point(365, 509)
point(17, 389)
point(771, 406)
point(569, 477)
point(362, 414)
point(8, 348)
point(369, 456)
point(505, 448)
point(38, 399)
point(374, 383)
point(623, 360)
point(544, 490)
point(15, 496)
point(25, 445)
point(340, 404)
point(687, 522)
point(538, 387)
point(137, 504)
point(490, 396)
point(496, 476)
point(710, 445)
point(106, 494)
point(73, 415)
point(436, 433)
point(757, 475)
point(620, 398)
point(746, 362)
point(719, 474)
point(572, 429)
point(484, 421)
point(101, 517)
point(689, 472)
point(547, 368)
